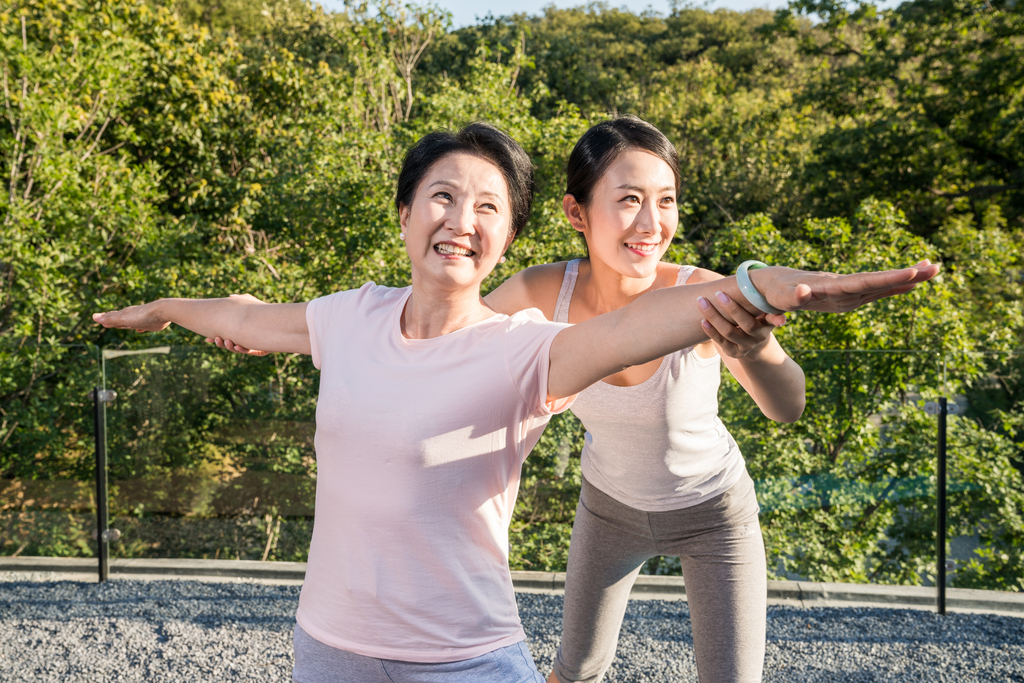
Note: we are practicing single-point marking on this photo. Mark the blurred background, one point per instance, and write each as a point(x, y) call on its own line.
point(199, 149)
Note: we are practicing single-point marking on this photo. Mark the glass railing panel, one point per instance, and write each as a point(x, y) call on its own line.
point(46, 450)
point(211, 455)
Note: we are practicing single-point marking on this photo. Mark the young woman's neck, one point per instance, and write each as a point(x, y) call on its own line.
point(432, 313)
point(605, 289)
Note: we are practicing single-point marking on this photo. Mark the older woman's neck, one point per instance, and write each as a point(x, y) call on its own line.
point(430, 314)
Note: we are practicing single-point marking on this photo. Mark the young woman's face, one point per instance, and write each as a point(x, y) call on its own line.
point(632, 215)
point(457, 226)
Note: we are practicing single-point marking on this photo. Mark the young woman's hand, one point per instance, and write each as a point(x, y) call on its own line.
point(746, 337)
point(228, 345)
point(143, 318)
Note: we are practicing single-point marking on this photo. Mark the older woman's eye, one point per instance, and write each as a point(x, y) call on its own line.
point(443, 195)
point(489, 207)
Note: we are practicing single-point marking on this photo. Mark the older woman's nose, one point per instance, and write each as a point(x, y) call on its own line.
point(462, 219)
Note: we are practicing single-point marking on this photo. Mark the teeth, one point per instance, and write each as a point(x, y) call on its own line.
point(648, 248)
point(452, 249)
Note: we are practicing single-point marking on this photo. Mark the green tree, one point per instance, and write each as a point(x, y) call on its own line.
point(924, 103)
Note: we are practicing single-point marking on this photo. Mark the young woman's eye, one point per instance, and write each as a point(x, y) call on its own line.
point(668, 201)
point(631, 199)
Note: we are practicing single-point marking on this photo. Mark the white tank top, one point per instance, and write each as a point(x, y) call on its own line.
point(658, 445)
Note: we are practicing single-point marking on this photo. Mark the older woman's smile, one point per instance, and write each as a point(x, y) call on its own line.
point(453, 250)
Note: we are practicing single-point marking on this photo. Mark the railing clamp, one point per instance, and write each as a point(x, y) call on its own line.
point(103, 395)
point(109, 535)
point(932, 408)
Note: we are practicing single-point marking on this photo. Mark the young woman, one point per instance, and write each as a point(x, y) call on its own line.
point(429, 402)
point(661, 475)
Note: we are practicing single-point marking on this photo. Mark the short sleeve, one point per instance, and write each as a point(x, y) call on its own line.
point(529, 352)
point(325, 311)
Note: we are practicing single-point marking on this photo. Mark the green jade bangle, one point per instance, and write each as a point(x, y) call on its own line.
point(748, 289)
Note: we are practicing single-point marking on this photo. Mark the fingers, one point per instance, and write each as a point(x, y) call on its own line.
point(733, 310)
point(228, 345)
point(714, 335)
point(113, 319)
point(739, 339)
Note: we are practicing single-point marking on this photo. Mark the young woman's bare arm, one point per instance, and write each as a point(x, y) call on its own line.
point(243, 319)
point(668, 319)
point(753, 354)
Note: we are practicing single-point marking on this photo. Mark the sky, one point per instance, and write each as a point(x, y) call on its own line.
point(465, 12)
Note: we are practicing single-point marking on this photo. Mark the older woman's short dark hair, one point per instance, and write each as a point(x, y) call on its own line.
point(602, 145)
point(483, 140)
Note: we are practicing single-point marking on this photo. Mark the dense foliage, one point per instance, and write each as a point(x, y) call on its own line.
point(198, 149)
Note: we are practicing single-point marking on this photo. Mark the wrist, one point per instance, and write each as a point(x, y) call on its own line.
point(752, 283)
point(161, 309)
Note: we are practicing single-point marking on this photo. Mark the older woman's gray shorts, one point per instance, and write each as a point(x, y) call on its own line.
point(316, 662)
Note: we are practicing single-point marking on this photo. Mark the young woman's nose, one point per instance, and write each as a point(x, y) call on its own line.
point(647, 220)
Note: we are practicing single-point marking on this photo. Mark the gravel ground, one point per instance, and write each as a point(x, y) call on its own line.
point(157, 631)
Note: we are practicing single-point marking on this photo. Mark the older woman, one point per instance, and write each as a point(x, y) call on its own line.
point(429, 402)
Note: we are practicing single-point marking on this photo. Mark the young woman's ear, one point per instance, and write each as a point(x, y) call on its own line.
point(575, 212)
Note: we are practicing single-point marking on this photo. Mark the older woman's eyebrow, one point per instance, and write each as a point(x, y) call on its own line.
point(456, 186)
point(637, 188)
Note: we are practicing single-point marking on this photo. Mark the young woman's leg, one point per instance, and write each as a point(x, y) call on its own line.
point(610, 542)
point(720, 547)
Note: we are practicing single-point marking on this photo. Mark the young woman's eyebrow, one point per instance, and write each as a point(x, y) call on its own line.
point(637, 188)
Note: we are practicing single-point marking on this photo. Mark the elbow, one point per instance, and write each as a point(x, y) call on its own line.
point(788, 413)
point(791, 415)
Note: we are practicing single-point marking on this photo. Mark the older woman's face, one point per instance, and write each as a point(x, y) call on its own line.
point(457, 226)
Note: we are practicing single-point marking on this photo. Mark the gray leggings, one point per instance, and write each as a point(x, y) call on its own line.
point(722, 553)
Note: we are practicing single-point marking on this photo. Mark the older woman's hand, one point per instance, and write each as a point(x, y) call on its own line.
point(143, 318)
point(799, 290)
point(746, 337)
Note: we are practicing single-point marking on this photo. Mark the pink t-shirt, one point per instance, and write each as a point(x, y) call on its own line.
point(419, 445)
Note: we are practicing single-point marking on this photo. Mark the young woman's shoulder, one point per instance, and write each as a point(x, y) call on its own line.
point(533, 287)
point(700, 275)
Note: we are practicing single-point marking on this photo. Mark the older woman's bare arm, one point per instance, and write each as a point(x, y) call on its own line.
point(664, 321)
point(245, 320)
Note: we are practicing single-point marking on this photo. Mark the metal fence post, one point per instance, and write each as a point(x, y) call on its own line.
point(940, 509)
point(941, 410)
point(100, 398)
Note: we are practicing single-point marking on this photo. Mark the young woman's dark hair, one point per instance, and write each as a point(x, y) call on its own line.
point(481, 139)
point(602, 145)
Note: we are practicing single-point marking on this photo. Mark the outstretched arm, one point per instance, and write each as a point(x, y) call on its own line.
point(244, 319)
point(668, 319)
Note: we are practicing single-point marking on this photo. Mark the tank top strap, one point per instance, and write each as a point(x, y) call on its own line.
point(684, 274)
point(572, 269)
